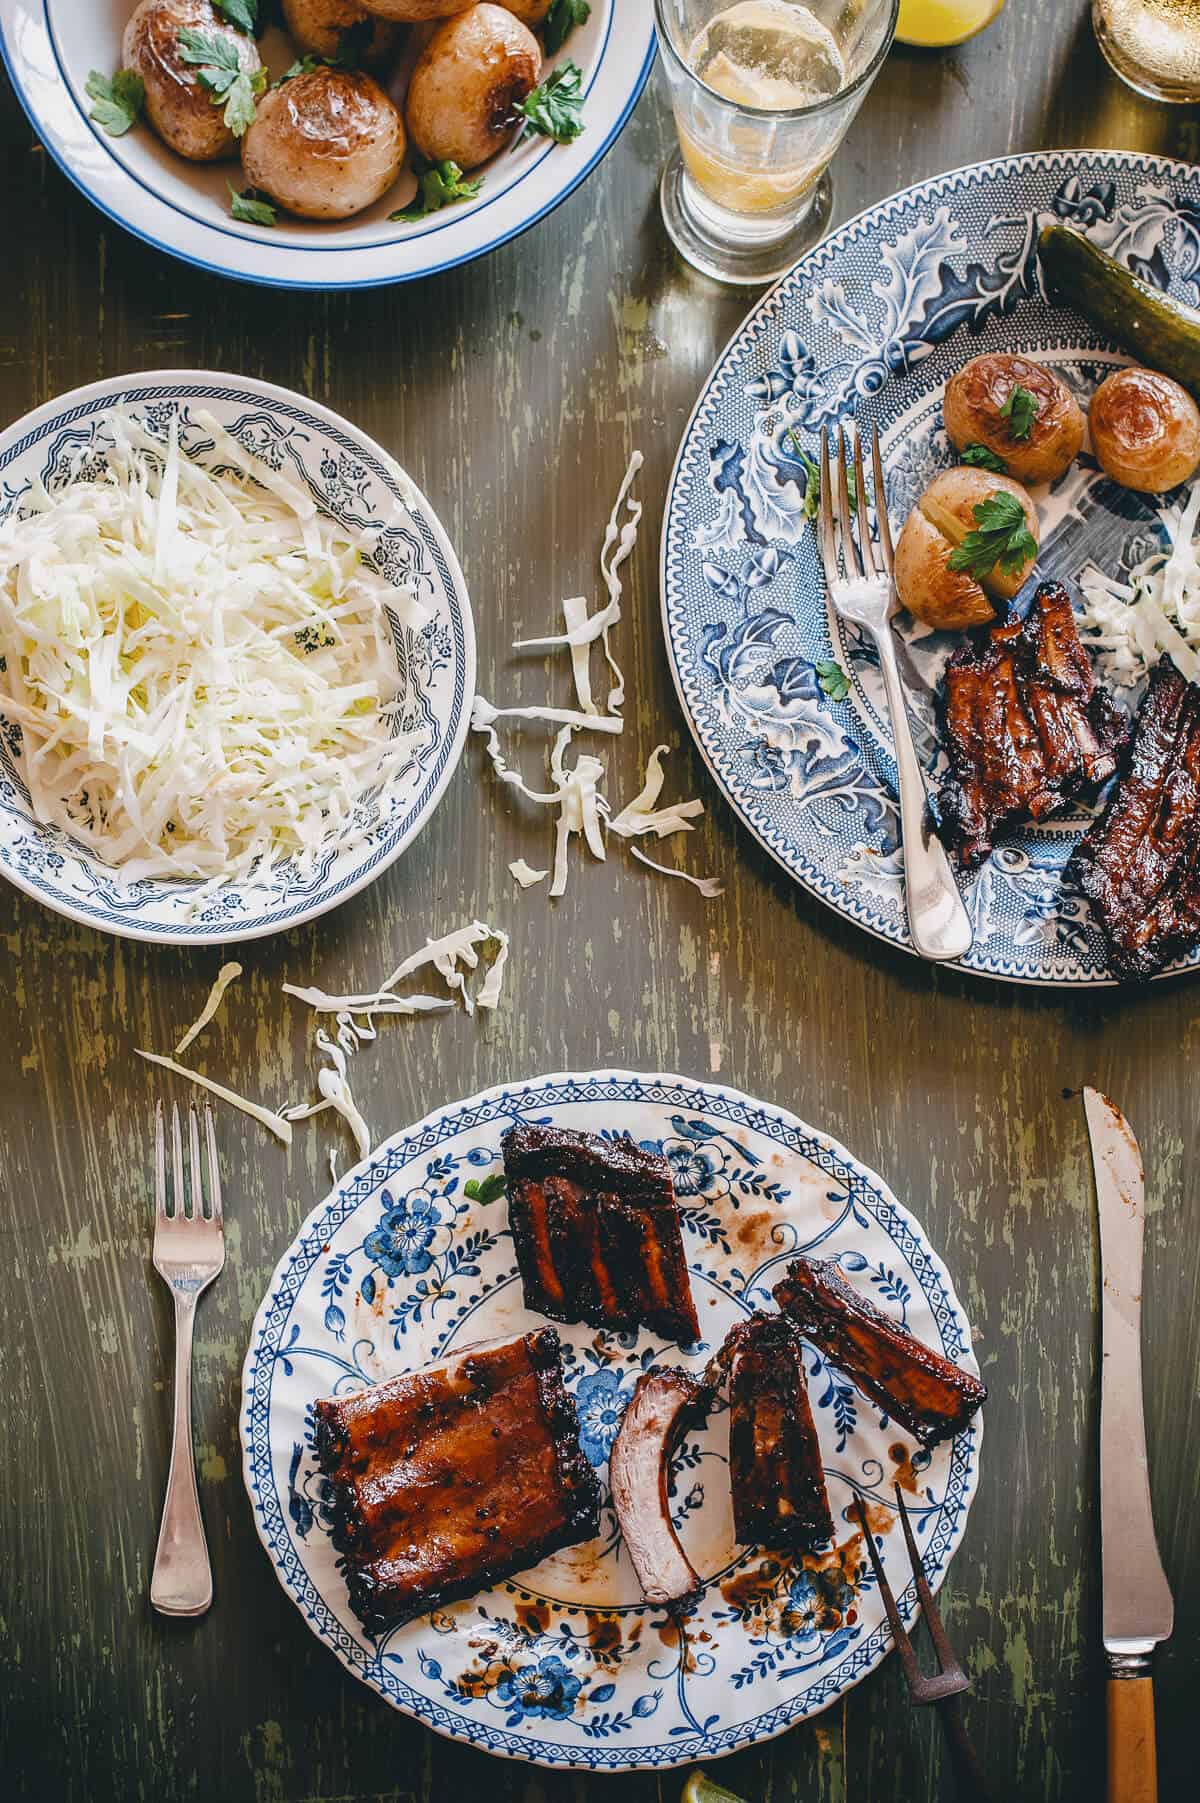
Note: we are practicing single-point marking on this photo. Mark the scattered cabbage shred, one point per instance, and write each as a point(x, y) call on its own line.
point(227, 974)
point(577, 789)
point(1133, 623)
point(202, 666)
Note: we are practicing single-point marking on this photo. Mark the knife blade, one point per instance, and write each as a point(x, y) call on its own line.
point(1138, 1611)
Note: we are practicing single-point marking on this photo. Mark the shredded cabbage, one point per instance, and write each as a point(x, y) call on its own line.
point(1131, 624)
point(276, 1123)
point(227, 974)
point(641, 815)
point(709, 886)
point(525, 874)
point(201, 664)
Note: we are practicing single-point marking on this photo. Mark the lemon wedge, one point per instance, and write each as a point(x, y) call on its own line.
point(936, 24)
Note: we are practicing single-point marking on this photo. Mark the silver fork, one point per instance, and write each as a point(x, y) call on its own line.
point(866, 594)
point(189, 1251)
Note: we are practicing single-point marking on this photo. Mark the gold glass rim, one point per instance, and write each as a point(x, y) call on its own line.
point(765, 112)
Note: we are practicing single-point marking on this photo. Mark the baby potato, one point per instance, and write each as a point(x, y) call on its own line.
point(977, 392)
point(324, 145)
point(471, 76)
point(926, 584)
point(412, 11)
point(179, 109)
point(1145, 430)
point(317, 27)
point(530, 12)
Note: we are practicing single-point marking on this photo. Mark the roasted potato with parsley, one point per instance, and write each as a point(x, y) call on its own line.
point(318, 27)
point(1019, 411)
point(325, 144)
point(411, 12)
point(530, 12)
point(182, 111)
point(469, 80)
point(1145, 430)
point(971, 540)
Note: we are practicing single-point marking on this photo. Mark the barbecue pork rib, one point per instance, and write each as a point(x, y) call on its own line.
point(596, 1227)
point(779, 1496)
point(447, 1479)
point(1025, 725)
point(1139, 862)
point(916, 1386)
point(665, 1402)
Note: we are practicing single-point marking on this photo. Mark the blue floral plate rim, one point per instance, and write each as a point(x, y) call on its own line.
point(550, 1703)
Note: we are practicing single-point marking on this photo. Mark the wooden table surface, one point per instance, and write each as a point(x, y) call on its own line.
point(514, 391)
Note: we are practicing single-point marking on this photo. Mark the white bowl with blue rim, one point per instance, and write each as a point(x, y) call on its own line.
point(351, 478)
point(51, 46)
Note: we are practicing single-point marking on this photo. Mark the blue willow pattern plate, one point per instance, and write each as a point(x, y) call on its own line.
point(352, 479)
point(411, 1256)
point(871, 324)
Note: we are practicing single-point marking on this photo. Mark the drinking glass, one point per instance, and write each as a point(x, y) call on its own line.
point(763, 93)
point(1153, 45)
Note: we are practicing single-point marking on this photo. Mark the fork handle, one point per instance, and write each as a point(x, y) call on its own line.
point(970, 1779)
point(181, 1583)
point(936, 917)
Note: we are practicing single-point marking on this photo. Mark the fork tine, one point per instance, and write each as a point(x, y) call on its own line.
point(194, 1161)
point(214, 1169)
point(845, 528)
point(860, 489)
point(160, 1163)
point(881, 506)
point(946, 1656)
point(828, 542)
point(179, 1201)
point(903, 1644)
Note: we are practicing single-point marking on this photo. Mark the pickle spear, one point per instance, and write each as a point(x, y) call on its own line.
point(1160, 332)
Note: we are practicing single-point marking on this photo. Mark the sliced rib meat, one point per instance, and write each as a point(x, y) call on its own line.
point(919, 1388)
point(447, 1479)
point(779, 1496)
point(1139, 862)
point(596, 1228)
point(664, 1403)
point(1025, 725)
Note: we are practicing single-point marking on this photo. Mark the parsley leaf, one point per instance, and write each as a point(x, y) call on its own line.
point(241, 14)
point(833, 679)
point(980, 458)
point(810, 506)
point(561, 20)
point(555, 109)
point(438, 185)
point(1002, 536)
point(220, 73)
point(1020, 409)
point(489, 1190)
point(303, 65)
point(249, 209)
point(118, 102)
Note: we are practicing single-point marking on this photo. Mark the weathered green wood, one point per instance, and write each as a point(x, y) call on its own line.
point(514, 391)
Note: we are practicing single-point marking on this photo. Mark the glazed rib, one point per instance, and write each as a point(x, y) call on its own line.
point(1025, 726)
point(779, 1496)
point(450, 1478)
point(596, 1227)
point(664, 1403)
point(919, 1388)
point(1139, 862)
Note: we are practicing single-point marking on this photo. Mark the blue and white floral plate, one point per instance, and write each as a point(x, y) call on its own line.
point(871, 324)
point(356, 481)
point(50, 46)
point(411, 1256)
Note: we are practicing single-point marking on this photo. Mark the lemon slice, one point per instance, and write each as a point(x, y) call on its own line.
point(701, 1789)
point(936, 24)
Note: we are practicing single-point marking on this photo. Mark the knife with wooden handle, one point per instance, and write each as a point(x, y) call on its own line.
point(1138, 1612)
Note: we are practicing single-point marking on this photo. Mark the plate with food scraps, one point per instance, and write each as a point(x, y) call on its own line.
point(238, 657)
point(411, 1260)
point(575, 69)
point(786, 701)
